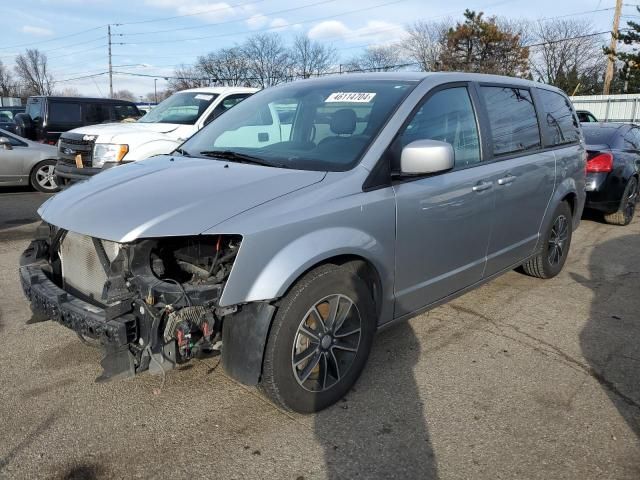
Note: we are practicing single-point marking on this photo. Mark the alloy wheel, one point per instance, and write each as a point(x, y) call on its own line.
point(45, 177)
point(326, 343)
point(558, 240)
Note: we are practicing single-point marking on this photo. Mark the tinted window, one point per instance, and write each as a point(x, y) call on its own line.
point(560, 124)
point(64, 112)
point(34, 108)
point(512, 117)
point(632, 139)
point(97, 113)
point(125, 111)
point(447, 116)
point(14, 141)
point(586, 117)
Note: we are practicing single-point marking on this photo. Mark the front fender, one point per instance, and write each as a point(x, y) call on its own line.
point(274, 278)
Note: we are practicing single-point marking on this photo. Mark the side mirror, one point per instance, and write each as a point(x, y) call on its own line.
point(6, 143)
point(426, 156)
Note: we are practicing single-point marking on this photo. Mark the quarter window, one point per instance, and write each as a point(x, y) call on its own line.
point(560, 124)
point(63, 112)
point(512, 118)
point(447, 116)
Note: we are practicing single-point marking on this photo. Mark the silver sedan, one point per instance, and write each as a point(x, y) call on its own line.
point(23, 162)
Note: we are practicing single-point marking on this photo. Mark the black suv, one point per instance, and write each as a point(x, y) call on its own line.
point(46, 118)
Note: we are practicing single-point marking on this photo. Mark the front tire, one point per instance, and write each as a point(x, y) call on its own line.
point(43, 177)
point(557, 239)
point(627, 208)
point(319, 341)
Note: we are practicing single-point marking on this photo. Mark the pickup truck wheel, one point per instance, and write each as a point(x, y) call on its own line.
point(43, 177)
point(557, 240)
point(627, 209)
point(319, 341)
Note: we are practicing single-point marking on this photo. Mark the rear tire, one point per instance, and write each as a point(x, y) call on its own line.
point(43, 177)
point(557, 240)
point(319, 341)
point(627, 208)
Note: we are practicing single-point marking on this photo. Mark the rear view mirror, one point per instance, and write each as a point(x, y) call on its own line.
point(6, 143)
point(426, 156)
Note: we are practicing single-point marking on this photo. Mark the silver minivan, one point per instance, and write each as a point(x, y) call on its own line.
point(377, 197)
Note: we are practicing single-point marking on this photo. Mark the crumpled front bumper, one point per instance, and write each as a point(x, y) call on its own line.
point(110, 326)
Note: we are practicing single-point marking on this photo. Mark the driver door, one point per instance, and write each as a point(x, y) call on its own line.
point(443, 220)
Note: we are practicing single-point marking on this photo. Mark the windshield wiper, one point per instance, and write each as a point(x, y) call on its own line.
point(239, 157)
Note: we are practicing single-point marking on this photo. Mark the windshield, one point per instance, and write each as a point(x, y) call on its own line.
point(183, 108)
point(600, 135)
point(304, 125)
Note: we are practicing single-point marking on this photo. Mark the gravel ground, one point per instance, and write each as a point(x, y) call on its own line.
point(522, 378)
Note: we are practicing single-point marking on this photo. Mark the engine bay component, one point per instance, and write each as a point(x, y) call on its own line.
point(153, 298)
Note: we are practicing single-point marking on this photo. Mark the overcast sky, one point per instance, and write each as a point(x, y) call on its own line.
point(155, 43)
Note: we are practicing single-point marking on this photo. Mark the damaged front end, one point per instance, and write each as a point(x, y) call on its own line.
point(152, 303)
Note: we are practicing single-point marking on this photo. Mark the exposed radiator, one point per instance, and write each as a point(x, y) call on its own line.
point(81, 268)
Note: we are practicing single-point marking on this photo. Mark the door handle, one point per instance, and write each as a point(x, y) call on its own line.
point(482, 186)
point(506, 180)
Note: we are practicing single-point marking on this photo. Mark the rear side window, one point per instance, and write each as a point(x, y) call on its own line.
point(512, 118)
point(447, 116)
point(96, 113)
point(34, 108)
point(560, 124)
point(64, 112)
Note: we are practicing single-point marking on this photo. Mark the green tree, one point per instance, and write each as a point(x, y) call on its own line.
point(484, 46)
point(627, 60)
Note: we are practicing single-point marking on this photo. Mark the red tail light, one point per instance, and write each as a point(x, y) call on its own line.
point(598, 162)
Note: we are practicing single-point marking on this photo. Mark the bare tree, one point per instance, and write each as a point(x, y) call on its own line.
point(227, 67)
point(376, 59)
point(125, 95)
point(69, 92)
point(8, 86)
point(33, 73)
point(565, 61)
point(311, 58)
point(186, 77)
point(269, 60)
point(425, 42)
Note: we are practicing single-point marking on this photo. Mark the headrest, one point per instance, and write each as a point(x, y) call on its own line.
point(343, 122)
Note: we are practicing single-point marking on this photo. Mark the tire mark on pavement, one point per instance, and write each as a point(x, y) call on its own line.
point(568, 359)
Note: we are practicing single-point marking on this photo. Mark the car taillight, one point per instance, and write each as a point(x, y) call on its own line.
point(598, 162)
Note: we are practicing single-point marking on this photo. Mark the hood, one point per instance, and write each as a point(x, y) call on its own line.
point(109, 130)
point(161, 196)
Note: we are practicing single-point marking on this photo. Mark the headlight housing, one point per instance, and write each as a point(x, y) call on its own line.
point(108, 152)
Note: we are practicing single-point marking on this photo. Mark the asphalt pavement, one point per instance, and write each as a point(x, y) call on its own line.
point(520, 379)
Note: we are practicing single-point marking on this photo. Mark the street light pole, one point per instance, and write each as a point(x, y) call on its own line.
point(155, 89)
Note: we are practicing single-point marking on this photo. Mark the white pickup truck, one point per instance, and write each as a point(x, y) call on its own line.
point(85, 151)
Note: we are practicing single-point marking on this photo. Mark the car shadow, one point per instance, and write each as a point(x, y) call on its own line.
point(610, 340)
point(379, 430)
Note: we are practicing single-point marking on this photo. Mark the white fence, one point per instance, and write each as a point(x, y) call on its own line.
point(610, 108)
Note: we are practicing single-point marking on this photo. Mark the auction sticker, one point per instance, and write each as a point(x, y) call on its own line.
point(350, 97)
point(201, 96)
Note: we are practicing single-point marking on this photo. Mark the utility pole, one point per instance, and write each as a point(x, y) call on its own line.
point(110, 65)
point(612, 46)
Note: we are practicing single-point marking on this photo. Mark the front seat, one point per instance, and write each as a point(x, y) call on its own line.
point(343, 146)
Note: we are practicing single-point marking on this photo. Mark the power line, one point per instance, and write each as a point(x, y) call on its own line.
point(286, 10)
point(52, 39)
point(272, 28)
point(152, 20)
point(57, 48)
